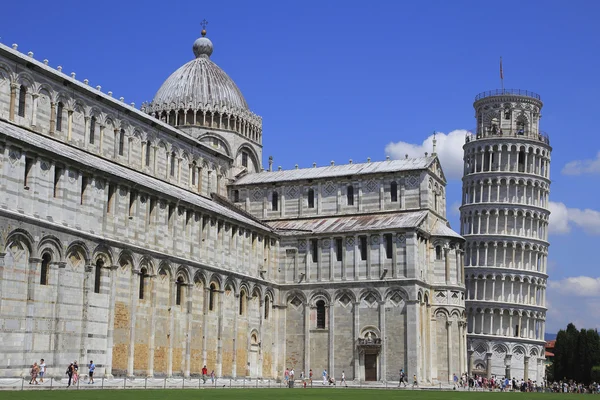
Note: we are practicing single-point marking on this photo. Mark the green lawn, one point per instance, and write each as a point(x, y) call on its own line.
point(264, 394)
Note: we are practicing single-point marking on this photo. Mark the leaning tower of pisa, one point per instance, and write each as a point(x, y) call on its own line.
point(504, 219)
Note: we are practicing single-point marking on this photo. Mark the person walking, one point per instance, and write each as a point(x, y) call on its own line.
point(402, 378)
point(415, 383)
point(42, 370)
point(343, 380)
point(324, 377)
point(34, 373)
point(70, 371)
point(310, 374)
point(75, 372)
point(204, 374)
point(91, 373)
point(212, 376)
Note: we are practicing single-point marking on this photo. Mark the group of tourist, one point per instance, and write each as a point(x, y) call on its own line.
point(289, 378)
point(39, 370)
point(479, 382)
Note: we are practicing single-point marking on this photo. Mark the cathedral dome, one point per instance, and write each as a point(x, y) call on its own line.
point(201, 93)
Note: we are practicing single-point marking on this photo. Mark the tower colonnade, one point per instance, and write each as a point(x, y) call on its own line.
point(504, 219)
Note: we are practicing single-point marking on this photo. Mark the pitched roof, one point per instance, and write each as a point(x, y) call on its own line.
point(353, 223)
point(441, 229)
point(334, 171)
point(98, 163)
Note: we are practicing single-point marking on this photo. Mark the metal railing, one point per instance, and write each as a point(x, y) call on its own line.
point(508, 133)
point(502, 92)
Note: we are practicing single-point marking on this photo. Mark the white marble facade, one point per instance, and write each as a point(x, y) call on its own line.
point(152, 242)
point(504, 218)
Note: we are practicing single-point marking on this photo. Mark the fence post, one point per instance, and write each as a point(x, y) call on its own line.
point(50, 382)
point(102, 386)
point(78, 381)
point(256, 382)
point(183, 383)
point(145, 382)
point(22, 383)
point(229, 382)
point(165, 385)
point(124, 382)
point(244, 382)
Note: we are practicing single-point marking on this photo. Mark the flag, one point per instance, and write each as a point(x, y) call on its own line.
point(501, 73)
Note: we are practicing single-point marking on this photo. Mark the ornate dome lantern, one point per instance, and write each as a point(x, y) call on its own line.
point(201, 94)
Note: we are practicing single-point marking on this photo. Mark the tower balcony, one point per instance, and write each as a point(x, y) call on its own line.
point(507, 92)
point(503, 133)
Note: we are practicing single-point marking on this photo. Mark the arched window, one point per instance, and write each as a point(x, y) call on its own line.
point(243, 298)
point(438, 252)
point(92, 129)
point(320, 314)
point(311, 198)
point(143, 274)
point(267, 306)
point(178, 291)
point(211, 297)
point(46, 258)
point(275, 201)
point(98, 275)
point(350, 195)
point(22, 96)
point(173, 163)
point(194, 173)
point(394, 191)
point(244, 159)
point(121, 141)
point(59, 115)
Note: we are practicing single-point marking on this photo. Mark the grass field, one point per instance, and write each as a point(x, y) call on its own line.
point(267, 394)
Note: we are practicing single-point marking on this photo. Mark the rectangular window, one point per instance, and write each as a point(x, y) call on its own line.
point(314, 247)
point(132, 197)
point(57, 175)
point(22, 97)
point(339, 249)
point(171, 213)
point(92, 129)
point(363, 248)
point(59, 116)
point(147, 154)
point(245, 159)
point(151, 211)
point(111, 195)
point(388, 246)
point(28, 166)
point(311, 198)
point(84, 184)
point(121, 141)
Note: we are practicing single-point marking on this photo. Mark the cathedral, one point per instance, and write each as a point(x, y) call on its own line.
point(153, 241)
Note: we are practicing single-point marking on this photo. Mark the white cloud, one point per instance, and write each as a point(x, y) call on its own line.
point(580, 167)
point(580, 286)
point(562, 219)
point(576, 300)
point(448, 148)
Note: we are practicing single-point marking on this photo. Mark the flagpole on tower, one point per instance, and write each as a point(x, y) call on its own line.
point(501, 75)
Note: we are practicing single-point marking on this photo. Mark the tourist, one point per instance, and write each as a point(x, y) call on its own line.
point(204, 373)
point(310, 375)
point(212, 376)
point(343, 380)
point(75, 372)
point(91, 373)
point(34, 373)
point(402, 378)
point(324, 377)
point(70, 371)
point(292, 378)
point(286, 377)
point(415, 383)
point(42, 370)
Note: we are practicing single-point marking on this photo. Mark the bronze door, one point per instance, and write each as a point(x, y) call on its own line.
point(370, 367)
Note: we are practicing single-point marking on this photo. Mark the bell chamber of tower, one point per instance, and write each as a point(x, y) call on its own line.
point(504, 219)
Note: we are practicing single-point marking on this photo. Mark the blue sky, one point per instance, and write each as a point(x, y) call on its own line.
point(340, 80)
